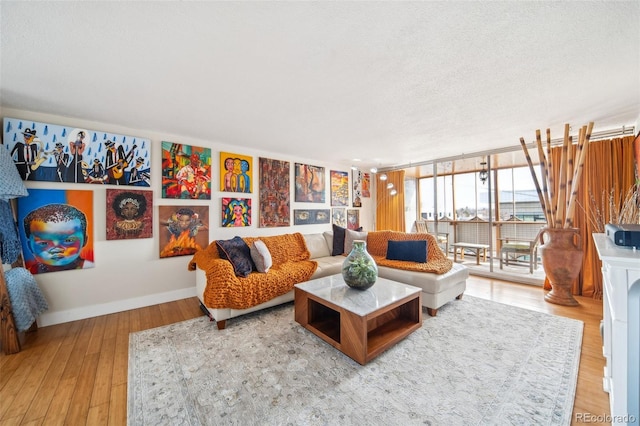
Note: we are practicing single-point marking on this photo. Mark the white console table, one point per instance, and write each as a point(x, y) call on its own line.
point(621, 328)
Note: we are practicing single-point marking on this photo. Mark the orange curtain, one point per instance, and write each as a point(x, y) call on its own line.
point(608, 170)
point(390, 208)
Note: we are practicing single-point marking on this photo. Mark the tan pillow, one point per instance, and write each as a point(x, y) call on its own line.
point(350, 236)
point(261, 256)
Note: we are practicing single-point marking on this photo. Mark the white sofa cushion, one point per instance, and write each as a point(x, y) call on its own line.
point(317, 245)
point(261, 256)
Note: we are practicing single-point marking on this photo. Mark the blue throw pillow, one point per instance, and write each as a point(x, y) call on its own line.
point(411, 251)
point(238, 253)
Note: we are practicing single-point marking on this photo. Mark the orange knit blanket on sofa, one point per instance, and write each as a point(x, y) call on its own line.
point(291, 265)
point(436, 263)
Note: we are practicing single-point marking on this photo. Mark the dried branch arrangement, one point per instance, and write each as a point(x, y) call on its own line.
point(559, 192)
point(618, 210)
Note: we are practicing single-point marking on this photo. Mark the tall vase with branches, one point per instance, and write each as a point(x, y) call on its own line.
point(561, 249)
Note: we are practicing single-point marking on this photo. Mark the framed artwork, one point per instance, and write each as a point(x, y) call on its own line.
point(353, 219)
point(311, 216)
point(236, 212)
point(274, 193)
point(129, 214)
point(339, 188)
point(339, 217)
point(309, 183)
point(357, 188)
point(186, 171)
point(54, 153)
point(183, 230)
point(56, 230)
point(235, 172)
point(365, 184)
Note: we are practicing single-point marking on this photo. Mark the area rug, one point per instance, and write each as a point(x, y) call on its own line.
point(477, 362)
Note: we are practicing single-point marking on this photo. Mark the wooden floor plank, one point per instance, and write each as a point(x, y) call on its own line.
point(86, 380)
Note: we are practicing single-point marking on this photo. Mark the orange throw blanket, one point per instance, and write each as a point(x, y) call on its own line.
point(291, 265)
point(437, 262)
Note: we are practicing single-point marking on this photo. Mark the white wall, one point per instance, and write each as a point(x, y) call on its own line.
point(129, 273)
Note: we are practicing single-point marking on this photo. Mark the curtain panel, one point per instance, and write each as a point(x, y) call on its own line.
point(390, 208)
point(609, 169)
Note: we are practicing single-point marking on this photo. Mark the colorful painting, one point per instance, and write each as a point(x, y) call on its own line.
point(366, 184)
point(236, 212)
point(274, 190)
point(353, 219)
point(309, 183)
point(186, 171)
point(339, 217)
point(339, 188)
point(357, 188)
point(129, 214)
point(183, 230)
point(236, 172)
point(54, 153)
point(311, 216)
point(56, 230)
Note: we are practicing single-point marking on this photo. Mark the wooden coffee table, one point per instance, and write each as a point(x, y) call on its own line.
point(360, 323)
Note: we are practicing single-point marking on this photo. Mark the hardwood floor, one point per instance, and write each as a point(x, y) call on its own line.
point(76, 373)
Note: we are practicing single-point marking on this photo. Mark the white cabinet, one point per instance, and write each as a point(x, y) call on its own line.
point(621, 328)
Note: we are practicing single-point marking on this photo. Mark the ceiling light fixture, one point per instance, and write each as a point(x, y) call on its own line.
point(383, 177)
point(484, 174)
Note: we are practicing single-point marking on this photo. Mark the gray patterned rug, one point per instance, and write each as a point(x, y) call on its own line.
point(477, 363)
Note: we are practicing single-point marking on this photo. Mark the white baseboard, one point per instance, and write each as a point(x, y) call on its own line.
point(52, 318)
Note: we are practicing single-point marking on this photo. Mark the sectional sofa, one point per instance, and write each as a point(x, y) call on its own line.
point(225, 293)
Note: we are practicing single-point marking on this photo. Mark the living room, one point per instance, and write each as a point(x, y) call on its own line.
point(393, 85)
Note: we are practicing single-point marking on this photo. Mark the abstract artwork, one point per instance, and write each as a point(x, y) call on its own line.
point(236, 212)
point(56, 230)
point(339, 188)
point(309, 183)
point(353, 219)
point(183, 230)
point(129, 214)
point(311, 216)
point(339, 217)
point(235, 172)
point(54, 153)
point(274, 190)
point(357, 188)
point(186, 171)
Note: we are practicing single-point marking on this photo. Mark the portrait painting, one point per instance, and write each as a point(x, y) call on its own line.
point(236, 212)
point(339, 217)
point(311, 216)
point(183, 230)
point(186, 171)
point(54, 153)
point(339, 188)
point(310, 185)
point(129, 214)
point(56, 230)
point(236, 172)
point(353, 219)
point(274, 193)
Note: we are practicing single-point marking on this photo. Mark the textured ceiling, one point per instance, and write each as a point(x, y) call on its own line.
point(388, 82)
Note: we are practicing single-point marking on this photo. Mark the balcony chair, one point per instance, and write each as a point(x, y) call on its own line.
point(513, 250)
point(442, 237)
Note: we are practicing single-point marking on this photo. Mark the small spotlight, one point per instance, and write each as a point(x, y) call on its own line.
point(383, 177)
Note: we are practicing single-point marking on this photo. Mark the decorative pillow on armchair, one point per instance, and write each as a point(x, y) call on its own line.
point(411, 251)
point(238, 253)
point(261, 256)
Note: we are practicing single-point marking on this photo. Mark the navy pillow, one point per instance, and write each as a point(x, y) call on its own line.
point(238, 253)
point(338, 240)
point(411, 251)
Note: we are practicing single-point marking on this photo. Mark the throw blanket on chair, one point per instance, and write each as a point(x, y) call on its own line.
point(436, 261)
point(291, 265)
